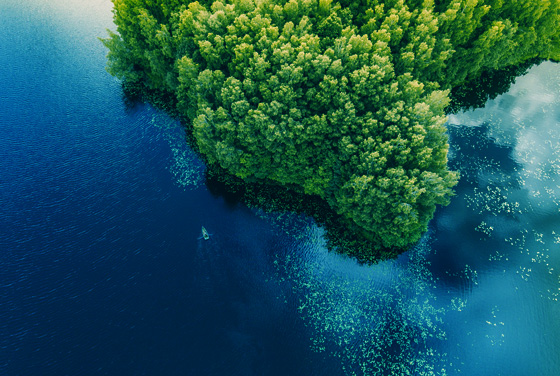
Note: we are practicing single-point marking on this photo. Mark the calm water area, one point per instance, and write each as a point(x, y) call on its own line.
point(103, 272)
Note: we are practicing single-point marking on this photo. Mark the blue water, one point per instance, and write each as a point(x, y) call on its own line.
point(102, 271)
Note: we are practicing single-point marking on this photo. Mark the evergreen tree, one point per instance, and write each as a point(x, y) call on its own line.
point(344, 100)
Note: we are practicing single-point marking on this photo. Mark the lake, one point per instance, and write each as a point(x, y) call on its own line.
point(103, 271)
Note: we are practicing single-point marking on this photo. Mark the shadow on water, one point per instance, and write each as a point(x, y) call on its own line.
point(490, 84)
point(291, 204)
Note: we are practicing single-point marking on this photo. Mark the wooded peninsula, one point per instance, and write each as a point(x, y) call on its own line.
point(340, 99)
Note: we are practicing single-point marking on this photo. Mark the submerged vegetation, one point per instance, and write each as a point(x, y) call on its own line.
point(344, 100)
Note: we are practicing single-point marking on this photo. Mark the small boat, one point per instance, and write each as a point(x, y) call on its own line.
point(205, 234)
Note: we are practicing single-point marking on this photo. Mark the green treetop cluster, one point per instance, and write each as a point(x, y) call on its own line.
point(344, 100)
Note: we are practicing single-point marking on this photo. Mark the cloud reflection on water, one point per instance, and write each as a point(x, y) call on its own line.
point(483, 287)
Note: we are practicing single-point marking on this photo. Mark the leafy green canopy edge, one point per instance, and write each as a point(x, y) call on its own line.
point(341, 100)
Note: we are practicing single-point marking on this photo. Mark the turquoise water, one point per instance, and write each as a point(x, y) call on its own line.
point(102, 270)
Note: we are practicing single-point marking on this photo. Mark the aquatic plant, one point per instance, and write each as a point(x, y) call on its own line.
point(344, 100)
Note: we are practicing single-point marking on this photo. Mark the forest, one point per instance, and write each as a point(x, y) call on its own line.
point(344, 100)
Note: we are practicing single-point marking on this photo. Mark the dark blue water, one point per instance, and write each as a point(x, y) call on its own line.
point(102, 271)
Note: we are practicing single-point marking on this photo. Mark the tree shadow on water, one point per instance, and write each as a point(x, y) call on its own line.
point(488, 85)
point(289, 204)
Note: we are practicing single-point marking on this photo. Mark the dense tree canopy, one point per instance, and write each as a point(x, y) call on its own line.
point(344, 100)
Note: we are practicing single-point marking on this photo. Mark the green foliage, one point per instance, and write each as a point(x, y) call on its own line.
point(343, 100)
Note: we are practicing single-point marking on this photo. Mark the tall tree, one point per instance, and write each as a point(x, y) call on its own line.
point(344, 100)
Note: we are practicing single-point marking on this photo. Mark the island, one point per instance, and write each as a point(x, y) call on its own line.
point(344, 100)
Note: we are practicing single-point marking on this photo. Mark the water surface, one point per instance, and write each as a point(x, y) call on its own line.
point(102, 271)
